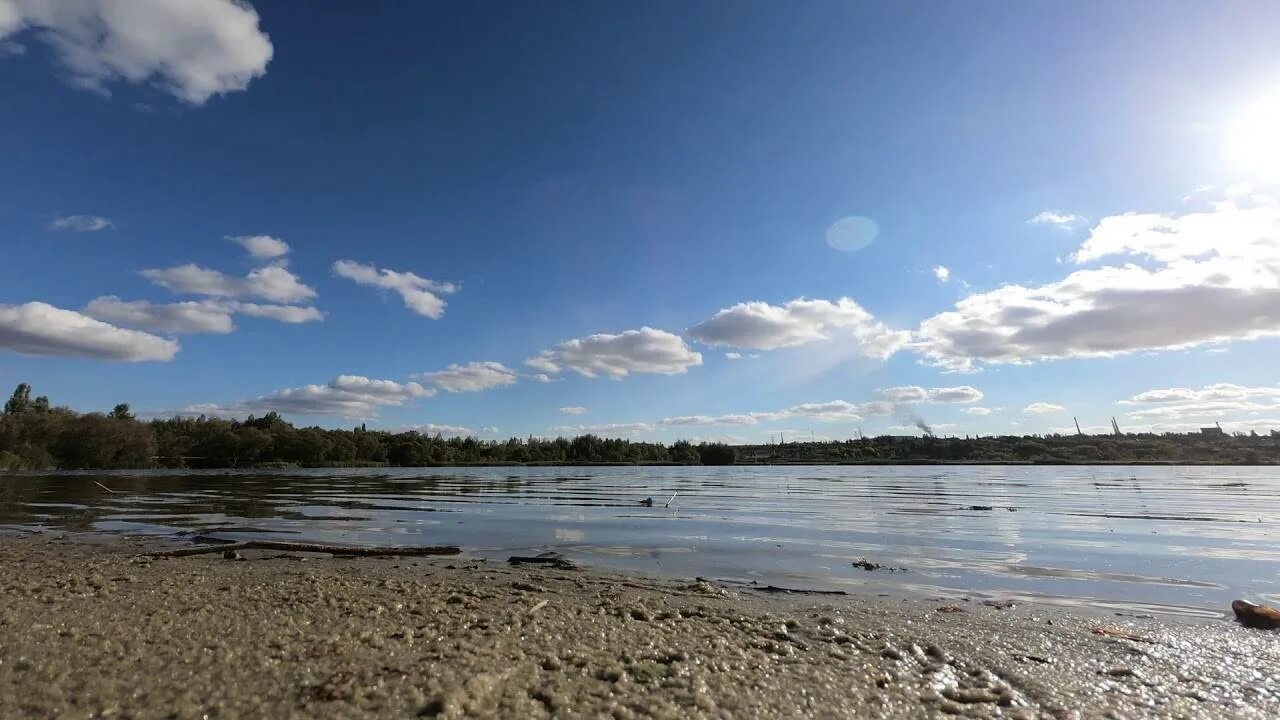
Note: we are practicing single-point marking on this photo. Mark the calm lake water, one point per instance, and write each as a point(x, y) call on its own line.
point(1141, 539)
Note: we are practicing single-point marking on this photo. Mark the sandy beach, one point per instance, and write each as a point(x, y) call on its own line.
point(93, 628)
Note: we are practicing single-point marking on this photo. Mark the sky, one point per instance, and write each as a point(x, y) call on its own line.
point(655, 220)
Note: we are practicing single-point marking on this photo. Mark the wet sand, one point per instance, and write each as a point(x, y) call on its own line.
point(93, 629)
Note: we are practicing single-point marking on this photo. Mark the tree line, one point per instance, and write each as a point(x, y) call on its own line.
point(35, 435)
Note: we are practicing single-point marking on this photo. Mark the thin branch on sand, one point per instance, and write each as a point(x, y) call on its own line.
point(362, 551)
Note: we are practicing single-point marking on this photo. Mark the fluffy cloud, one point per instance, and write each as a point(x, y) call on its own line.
point(1208, 277)
point(941, 395)
point(262, 247)
point(434, 429)
point(293, 314)
point(194, 49)
point(1062, 220)
point(750, 419)
point(942, 272)
point(183, 317)
point(733, 356)
point(979, 411)
point(607, 429)
point(761, 326)
point(40, 329)
point(1041, 408)
point(420, 295)
point(271, 283)
point(472, 377)
point(1210, 393)
point(573, 410)
point(205, 316)
point(348, 396)
point(1212, 401)
point(635, 351)
point(80, 223)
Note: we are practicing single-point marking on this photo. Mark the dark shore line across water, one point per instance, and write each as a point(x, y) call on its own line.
point(34, 435)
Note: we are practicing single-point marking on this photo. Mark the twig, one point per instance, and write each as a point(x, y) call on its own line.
point(538, 606)
point(311, 547)
point(673, 498)
point(554, 561)
point(771, 588)
point(104, 487)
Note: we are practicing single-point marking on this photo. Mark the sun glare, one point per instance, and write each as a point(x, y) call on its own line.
point(1253, 140)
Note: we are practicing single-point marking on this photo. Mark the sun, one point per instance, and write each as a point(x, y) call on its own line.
point(1253, 139)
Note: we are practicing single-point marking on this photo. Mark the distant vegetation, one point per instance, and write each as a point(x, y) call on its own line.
point(35, 435)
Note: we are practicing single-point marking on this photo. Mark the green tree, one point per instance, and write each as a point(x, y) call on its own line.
point(121, 412)
point(20, 401)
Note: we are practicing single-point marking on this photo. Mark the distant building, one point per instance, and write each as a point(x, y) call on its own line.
point(1215, 431)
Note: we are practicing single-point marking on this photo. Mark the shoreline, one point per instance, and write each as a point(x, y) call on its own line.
point(90, 626)
point(807, 463)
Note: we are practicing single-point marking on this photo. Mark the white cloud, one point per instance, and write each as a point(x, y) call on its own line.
point(293, 314)
point(980, 411)
point(348, 396)
point(183, 317)
point(749, 419)
point(1221, 400)
point(37, 328)
point(608, 429)
point(1066, 221)
point(261, 247)
point(272, 283)
point(733, 356)
point(1219, 392)
point(433, 429)
point(1209, 277)
point(420, 295)
point(1041, 408)
point(635, 351)
point(194, 49)
point(541, 378)
point(942, 273)
point(573, 410)
point(472, 377)
point(80, 223)
point(205, 316)
point(761, 326)
point(940, 395)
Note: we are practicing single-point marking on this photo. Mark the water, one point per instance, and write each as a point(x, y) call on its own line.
point(1140, 540)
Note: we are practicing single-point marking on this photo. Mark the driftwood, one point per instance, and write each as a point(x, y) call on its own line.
point(770, 588)
point(554, 560)
point(286, 546)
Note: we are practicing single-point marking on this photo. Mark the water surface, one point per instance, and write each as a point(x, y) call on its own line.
point(1139, 540)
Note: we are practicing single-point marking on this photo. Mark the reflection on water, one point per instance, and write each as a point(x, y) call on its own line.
point(1185, 540)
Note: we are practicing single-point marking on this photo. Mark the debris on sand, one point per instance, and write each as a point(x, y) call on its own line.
point(1122, 634)
point(867, 565)
point(548, 559)
point(225, 548)
point(1254, 615)
point(753, 585)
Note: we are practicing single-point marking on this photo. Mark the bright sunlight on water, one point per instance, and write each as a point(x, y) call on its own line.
point(1133, 539)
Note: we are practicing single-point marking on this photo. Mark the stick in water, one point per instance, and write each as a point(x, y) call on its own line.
point(104, 487)
point(673, 498)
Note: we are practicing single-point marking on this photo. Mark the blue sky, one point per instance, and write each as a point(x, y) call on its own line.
point(470, 217)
